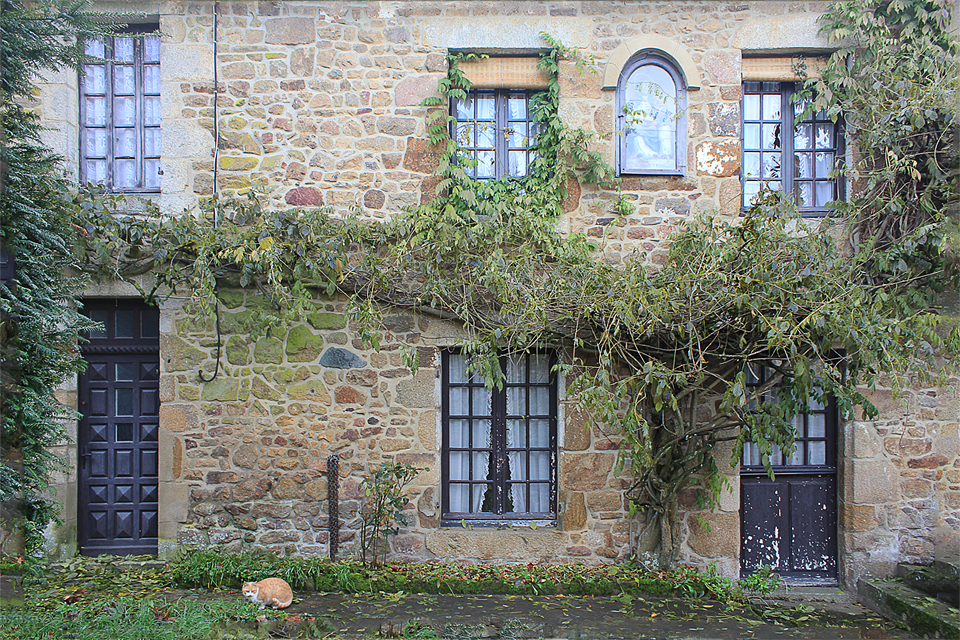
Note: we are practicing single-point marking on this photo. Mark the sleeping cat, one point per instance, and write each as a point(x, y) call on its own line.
point(272, 591)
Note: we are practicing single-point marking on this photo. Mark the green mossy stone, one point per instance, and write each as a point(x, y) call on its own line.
point(222, 388)
point(263, 390)
point(238, 350)
point(230, 299)
point(234, 322)
point(338, 337)
point(303, 345)
point(268, 350)
point(327, 321)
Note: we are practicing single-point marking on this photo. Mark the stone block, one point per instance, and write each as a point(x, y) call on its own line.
point(312, 390)
point(303, 345)
point(723, 538)
point(585, 471)
point(722, 67)
point(427, 430)
point(268, 351)
point(174, 501)
point(337, 358)
point(178, 355)
point(327, 321)
point(576, 433)
point(297, 30)
point(246, 456)
point(418, 392)
point(178, 417)
point(874, 481)
point(599, 501)
point(237, 350)
point(347, 395)
point(718, 159)
point(264, 391)
point(724, 118)
point(858, 518)
point(222, 388)
point(304, 197)
point(862, 441)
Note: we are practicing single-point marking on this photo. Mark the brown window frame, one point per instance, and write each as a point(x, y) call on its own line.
point(498, 483)
point(144, 159)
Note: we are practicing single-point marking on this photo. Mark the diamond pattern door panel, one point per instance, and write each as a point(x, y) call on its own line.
point(119, 402)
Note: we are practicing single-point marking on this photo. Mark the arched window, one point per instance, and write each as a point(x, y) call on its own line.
point(651, 122)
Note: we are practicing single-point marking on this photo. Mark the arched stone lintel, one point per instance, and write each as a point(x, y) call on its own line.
point(650, 42)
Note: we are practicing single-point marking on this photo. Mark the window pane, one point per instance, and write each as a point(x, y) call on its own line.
point(459, 498)
point(517, 108)
point(817, 452)
point(459, 433)
point(124, 432)
point(481, 465)
point(516, 370)
point(540, 433)
point(803, 136)
point(771, 165)
point(126, 174)
point(539, 498)
point(125, 371)
point(125, 111)
point(96, 143)
point(464, 135)
point(803, 191)
point(771, 136)
point(151, 111)
point(127, 321)
point(151, 49)
point(95, 48)
point(803, 165)
point(481, 401)
point(826, 193)
point(517, 163)
point(486, 164)
point(464, 109)
point(516, 434)
point(123, 80)
point(123, 49)
point(539, 465)
point(796, 458)
point(125, 143)
point(517, 134)
point(481, 434)
point(516, 401)
point(457, 367)
point(151, 143)
point(539, 368)
point(824, 164)
point(151, 79)
point(151, 174)
point(96, 171)
point(751, 136)
point(540, 401)
point(94, 78)
point(485, 107)
point(816, 425)
point(750, 191)
point(771, 107)
point(459, 401)
point(751, 165)
point(751, 107)
point(486, 135)
point(459, 465)
point(102, 316)
point(124, 406)
point(96, 112)
point(825, 136)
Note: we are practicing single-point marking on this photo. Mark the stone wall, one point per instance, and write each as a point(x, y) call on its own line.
point(900, 498)
point(251, 446)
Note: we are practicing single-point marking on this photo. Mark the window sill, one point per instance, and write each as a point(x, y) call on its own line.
point(652, 173)
point(497, 524)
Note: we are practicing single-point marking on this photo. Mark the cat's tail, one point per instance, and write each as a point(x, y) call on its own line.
point(282, 605)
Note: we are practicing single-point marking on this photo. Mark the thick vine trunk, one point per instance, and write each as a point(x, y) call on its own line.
point(660, 536)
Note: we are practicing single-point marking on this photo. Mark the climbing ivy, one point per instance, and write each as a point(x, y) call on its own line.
point(657, 358)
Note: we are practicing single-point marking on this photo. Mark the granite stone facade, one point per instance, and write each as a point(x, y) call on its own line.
point(319, 103)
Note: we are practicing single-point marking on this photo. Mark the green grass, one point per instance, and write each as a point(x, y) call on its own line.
point(130, 618)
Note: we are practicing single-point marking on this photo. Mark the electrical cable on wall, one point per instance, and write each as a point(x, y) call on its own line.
point(216, 162)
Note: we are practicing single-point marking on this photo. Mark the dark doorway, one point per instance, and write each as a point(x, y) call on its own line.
point(117, 441)
point(789, 523)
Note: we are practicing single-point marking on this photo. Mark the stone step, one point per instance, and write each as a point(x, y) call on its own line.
point(934, 581)
point(924, 615)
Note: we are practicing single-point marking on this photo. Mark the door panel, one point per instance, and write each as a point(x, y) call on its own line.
point(119, 403)
point(789, 523)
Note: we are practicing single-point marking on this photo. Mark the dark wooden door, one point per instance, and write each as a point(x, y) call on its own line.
point(118, 434)
point(789, 523)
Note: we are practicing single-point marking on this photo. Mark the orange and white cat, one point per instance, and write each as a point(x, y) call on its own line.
point(272, 591)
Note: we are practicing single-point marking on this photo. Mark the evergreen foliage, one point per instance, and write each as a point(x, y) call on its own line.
point(39, 318)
